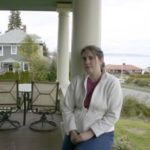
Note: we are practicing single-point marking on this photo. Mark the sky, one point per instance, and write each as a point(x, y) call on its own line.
point(125, 27)
point(44, 24)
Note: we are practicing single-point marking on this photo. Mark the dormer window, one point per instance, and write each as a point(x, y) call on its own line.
point(1, 50)
point(14, 50)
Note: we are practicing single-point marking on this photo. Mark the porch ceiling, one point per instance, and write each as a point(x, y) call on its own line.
point(34, 5)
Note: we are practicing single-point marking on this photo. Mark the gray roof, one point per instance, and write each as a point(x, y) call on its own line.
point(12, 36)
point(16, 36)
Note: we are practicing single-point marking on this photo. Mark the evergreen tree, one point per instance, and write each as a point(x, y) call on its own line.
point(14, 20)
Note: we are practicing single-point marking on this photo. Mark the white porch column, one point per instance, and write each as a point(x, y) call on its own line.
point(63, 45)
point(86, 29)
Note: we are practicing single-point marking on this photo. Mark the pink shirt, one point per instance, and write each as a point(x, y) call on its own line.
point(90, 88)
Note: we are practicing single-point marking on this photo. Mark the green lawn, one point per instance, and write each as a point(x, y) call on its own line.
point(136, 131)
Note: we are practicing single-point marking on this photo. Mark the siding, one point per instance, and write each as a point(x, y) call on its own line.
point(7, 53)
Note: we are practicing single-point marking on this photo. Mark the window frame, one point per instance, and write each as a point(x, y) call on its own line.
point(16, 48)
point(24, 66)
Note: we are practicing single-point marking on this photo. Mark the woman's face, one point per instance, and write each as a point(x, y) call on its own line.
point(91, 62)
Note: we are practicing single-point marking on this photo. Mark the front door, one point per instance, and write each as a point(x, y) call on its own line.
point(10, 67)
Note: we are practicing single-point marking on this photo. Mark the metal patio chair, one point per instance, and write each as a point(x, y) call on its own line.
point(44, 102)
point(9, 103)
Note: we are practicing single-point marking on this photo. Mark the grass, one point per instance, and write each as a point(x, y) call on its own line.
point(133, 129)
point(136, 131)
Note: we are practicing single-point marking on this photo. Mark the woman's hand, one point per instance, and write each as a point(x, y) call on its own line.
point(80, 137)
point(73, 136)
point(86, 135)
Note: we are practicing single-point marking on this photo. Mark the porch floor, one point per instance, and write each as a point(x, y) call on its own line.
point(26, 139)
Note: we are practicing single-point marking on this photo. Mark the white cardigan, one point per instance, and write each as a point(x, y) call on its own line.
point(104, 109)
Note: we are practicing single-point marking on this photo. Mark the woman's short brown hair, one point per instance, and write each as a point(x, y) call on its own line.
point(96, 51)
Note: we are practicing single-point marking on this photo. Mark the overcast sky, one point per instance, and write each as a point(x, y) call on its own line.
point(44, 24)
point(125, 26)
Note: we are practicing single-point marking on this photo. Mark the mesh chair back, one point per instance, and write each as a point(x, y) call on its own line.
point(44, 96)
point(8, 93)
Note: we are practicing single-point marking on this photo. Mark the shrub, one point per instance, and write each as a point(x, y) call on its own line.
point(143, 82)
point(140, 75)
point(130, 80)
point(53, 72)
point(40, 69)
point(122, 144)
point(140, 80)
point(21, 77)
point(133, 108)
point(24, 77)
point(9, 76)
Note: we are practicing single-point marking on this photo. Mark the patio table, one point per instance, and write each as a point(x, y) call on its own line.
point(25, 89)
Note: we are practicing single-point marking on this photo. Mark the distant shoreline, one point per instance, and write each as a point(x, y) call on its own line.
point(127, 54)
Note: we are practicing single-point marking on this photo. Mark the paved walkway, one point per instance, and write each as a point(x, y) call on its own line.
point(26, 139)
point(140, 95)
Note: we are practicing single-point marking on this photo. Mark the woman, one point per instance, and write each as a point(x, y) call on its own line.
point(92, 105)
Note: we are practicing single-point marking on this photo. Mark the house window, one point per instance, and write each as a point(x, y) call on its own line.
point(13, 49)
point(25, 66)
point(1, 50)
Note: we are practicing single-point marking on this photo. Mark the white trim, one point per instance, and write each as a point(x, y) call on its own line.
point(1, 50)
point(13, 49)
point(23, 65)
